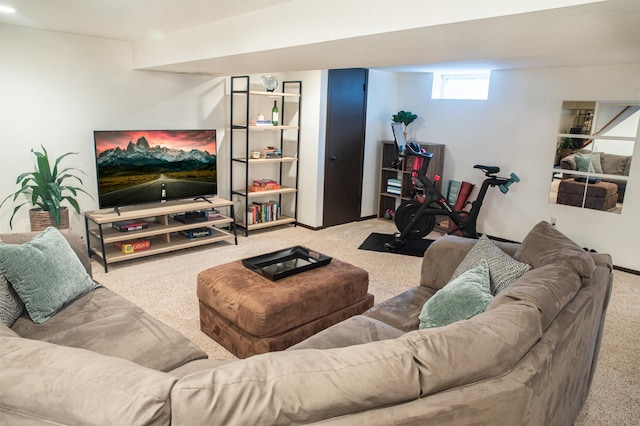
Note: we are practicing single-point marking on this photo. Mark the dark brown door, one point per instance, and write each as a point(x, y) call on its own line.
point(344, 154)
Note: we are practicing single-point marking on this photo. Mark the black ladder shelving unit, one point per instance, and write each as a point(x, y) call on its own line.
point(264, 208)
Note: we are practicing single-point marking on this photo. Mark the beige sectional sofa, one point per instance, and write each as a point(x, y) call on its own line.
point(527, 359)
point(608, 164)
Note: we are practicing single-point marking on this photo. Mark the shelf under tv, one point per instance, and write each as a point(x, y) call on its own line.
point(158, 246)
point(162, 230)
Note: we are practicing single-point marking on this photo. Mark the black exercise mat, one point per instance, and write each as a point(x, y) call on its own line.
point(413, 247)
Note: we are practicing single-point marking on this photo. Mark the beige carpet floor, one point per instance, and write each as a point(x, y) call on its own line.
point(165, 286)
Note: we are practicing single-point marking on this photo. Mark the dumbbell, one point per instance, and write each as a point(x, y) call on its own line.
point(504, 188)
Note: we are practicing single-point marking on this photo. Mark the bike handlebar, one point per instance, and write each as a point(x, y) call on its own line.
point(416, 149)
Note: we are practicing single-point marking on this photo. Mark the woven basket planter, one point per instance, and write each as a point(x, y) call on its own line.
point(42, 219)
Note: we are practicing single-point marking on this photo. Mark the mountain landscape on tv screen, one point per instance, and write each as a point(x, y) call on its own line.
point(140, 154)
point(140, 173)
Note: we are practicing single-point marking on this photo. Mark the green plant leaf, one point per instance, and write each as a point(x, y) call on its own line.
point(14, 213)
point(73, 203)
point(44, 186)
point(404, 117)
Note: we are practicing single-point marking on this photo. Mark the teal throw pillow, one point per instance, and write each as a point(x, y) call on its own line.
point(462, 298)
point(11, 307)
point(584, 163)
point(589, 163)
point(503, 269)
point(45, 273)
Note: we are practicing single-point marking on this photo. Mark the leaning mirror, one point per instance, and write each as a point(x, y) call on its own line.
point(593, 154)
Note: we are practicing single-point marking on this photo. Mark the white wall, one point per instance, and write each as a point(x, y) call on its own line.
point(312, 142)
point(516, 130)
point(58, 88)
point(381, 105)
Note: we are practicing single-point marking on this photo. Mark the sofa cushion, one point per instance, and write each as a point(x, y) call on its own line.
point(45, 272)
point(544, 245)
point(613, 164)
point(11, 306)
point(503, 269)
point(356, 330)
point(299, 386)
point(549, 288)
point(464, 352)
point(107, 323)
point(464, 297)
point(199, 365)
point(42, 382)
point(402, 311)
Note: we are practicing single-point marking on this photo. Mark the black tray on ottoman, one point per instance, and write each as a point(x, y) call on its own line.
point(284, 263)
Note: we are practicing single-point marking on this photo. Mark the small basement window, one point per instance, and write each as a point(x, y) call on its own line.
point(474, 86)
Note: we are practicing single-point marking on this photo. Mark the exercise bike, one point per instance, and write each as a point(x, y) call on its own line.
point(416, 217)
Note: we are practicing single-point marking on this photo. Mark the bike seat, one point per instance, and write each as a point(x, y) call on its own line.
point(488, 169)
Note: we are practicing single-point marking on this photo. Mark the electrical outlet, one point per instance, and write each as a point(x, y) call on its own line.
point(554, 221)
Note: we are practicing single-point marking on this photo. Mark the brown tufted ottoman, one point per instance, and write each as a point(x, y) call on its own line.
point(600, 195)
point(249, 314)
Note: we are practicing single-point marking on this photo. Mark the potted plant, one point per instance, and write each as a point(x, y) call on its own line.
point(566, 146)
point(404, 117)
point(47, 189)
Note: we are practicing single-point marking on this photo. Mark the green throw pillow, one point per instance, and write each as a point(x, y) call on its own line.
point(584, 163)
point(503, 269)
point(45, 273)
point(589, 163)
point(462, 298)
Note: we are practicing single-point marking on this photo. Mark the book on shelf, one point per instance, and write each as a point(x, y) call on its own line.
point(261, 212)
point(259, 123)
point(130, 225)
point(394, 191)
point(196, 232)
point(128, 247)
point(211, 214)
point(394, 186)
point(270, 153)
point(264, 185)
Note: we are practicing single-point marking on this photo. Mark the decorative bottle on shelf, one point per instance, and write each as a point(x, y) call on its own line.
point(163, 194)
point(274, 113)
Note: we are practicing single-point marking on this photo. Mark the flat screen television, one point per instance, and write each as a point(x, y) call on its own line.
point(143, 166)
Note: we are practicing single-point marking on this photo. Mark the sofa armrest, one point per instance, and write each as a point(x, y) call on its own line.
point(445, 254)
point(569, 162)
point(442, 258)
point(402, 311)
point(75, 241)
